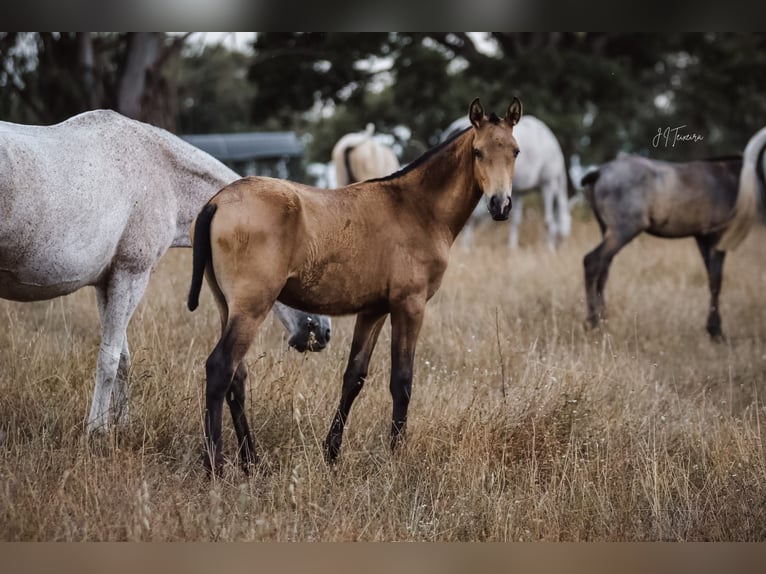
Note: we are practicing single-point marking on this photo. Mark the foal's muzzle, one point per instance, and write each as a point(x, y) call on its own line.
point(499, 207)
point(312, 336)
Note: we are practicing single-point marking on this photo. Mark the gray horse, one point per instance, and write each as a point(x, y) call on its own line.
point(97, 200)
point(632, 194)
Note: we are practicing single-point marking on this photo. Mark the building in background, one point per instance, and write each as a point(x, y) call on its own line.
point(273, 154)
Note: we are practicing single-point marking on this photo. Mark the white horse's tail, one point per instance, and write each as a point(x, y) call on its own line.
point(341, 151)
point(751, 182)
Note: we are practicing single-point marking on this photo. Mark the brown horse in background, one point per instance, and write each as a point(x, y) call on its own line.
point(375, 248)
point(358, 157)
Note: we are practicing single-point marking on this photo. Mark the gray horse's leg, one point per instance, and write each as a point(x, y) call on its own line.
point(596, 264)
point(118, 299)
point(516, 214)
point(714, 264)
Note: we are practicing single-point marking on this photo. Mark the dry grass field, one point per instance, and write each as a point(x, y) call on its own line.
point(523, 424)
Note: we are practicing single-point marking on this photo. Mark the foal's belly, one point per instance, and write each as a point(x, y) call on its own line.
point(343, 295)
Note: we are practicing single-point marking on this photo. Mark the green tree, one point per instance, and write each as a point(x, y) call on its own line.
point(214, 93)
point(47, 77)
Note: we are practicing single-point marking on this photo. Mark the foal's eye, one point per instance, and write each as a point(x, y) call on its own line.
point(478, 154)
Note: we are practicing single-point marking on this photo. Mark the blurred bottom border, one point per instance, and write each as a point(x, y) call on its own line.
point(374, 558)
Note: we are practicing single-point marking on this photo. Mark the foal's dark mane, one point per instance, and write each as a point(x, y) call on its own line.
point(423, 158)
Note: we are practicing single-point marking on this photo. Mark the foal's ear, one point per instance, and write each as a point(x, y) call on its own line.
point(513, 115)
point(476, 113)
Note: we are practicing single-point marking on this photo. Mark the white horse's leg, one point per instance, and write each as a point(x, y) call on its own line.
point(549, 191)
point(516, 214)
point(117, 301)
point(563, 210)
point(121, 405)
point(466, 236)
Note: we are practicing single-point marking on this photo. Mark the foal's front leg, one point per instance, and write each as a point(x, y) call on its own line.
point(366, 331)
point(406, 320)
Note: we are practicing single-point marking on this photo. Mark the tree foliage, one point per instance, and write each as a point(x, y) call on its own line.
point(47, 77)
point(600, 92)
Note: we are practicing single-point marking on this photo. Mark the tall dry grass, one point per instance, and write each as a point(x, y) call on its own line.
point(523, 424)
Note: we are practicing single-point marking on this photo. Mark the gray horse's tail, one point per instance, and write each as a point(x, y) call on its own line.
point(748, 201)
point(590, 178)
point(347, 164)
point(201, 253)
point(588, 182)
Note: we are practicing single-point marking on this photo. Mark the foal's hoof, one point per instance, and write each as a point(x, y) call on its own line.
point(211, 467)
point(248, 464)
point(331, 450)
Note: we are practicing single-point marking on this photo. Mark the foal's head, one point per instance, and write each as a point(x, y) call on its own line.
point(494, 155)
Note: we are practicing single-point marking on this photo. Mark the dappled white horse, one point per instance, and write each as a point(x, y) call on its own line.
point(539, 165)
point(358, 157)
point(97, 200)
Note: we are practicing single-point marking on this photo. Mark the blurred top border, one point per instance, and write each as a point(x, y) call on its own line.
point(392, 15)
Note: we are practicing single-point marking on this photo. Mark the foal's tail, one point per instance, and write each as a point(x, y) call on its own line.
point(748, 202)
point(200, 252)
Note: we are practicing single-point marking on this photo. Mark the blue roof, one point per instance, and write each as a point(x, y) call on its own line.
point(247, 145)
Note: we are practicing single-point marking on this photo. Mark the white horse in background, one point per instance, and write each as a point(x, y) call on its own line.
point(540, 165)
point(97, 200)
point(358, 156)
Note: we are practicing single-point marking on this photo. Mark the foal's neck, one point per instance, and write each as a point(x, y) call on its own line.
point(445, 187)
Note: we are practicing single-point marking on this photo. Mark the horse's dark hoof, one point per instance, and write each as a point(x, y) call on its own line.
point(332, 449)
point(398, 436)
point(210, 468)
point(248, 463)
point(592, 323)
point(717, 337)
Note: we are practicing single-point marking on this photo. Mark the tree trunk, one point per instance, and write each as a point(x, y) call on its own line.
point(87, 65)
point(143, 51)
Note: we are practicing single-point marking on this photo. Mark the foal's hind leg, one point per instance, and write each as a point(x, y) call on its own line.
point(221, 366)
point(714, 264)
point(366, 331)
point(236, 401)
point(596, 264)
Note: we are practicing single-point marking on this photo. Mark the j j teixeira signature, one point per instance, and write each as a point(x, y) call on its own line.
point(668, 136)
